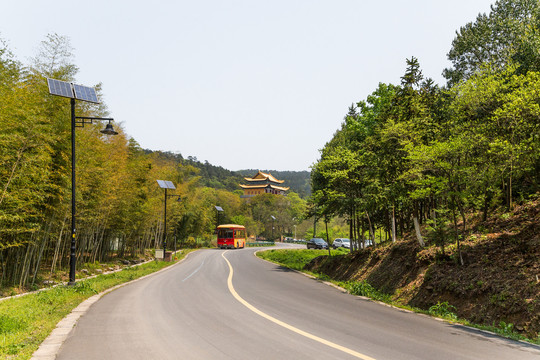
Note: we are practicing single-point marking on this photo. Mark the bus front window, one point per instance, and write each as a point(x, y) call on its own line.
point(225, 233)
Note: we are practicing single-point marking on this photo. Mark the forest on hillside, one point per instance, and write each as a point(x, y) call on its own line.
point(120, 207)
point(211, 176)
point(416, 153)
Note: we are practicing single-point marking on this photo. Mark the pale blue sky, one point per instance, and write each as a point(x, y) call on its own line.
point(242, 84)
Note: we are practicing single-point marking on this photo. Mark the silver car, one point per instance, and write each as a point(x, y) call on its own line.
point(341, 242)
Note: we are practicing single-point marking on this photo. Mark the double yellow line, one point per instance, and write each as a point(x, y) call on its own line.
point(285, 325)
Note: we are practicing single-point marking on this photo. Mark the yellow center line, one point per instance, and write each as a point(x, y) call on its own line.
point(285, 325)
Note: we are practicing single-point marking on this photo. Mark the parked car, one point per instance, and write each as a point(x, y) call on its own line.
point(341, 242)
point(316, 243)
point(368, 243)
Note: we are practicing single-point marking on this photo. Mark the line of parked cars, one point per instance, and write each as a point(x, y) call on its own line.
point(319, 243)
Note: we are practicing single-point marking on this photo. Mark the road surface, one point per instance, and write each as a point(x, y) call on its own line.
point(220, 304)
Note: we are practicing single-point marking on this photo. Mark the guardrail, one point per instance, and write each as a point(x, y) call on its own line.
point(260, 243)
point(295, 242)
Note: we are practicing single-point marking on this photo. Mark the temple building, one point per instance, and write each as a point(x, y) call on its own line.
point(263, 183)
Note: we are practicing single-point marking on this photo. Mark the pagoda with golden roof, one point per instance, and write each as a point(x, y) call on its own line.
point(263, 183)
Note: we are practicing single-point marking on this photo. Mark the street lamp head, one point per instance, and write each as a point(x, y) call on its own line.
point(109, 130)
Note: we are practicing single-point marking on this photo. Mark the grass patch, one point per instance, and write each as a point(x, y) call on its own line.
point(26, 321)
point(363, 288)
point(293, 259)
point(298, 258)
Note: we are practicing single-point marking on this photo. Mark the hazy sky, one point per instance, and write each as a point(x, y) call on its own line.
point(242, 84)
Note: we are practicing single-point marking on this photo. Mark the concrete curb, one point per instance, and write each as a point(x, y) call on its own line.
point(50, 347)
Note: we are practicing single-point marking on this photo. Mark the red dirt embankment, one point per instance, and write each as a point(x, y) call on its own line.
point(499, 281)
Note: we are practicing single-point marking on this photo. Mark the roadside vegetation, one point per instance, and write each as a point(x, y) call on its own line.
point(295, 259)
point(417, 154)
point(27, 320)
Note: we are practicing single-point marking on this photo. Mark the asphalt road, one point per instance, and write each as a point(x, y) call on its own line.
point(221, 304)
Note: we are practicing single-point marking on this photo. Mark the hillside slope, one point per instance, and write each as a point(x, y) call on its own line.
point(498, 283)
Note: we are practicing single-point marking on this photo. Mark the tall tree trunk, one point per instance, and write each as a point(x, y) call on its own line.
point(418, 233)
point(371, 232)
point(417, 226)
point(327, 237)
point(57, 247)
point(351, 232)
point(456, 234)
point(486, 205)
point(38, 262)
point(393, 224)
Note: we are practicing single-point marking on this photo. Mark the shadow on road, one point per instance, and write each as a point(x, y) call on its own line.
point(282, 269)
point(487, 336)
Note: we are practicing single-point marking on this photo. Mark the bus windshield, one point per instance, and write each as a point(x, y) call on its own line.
point(225, 233)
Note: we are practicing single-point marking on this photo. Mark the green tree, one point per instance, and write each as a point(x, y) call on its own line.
point(509, 31)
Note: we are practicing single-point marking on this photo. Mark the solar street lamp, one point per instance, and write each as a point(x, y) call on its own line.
point(218, 210)
point(88, 94)
point(273, 219)
point(165, 184)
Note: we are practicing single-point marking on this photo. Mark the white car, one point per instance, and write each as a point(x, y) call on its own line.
point(341, 242)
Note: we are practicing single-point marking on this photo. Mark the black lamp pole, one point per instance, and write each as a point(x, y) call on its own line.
point(273, 219)
point(166, 185)
point(107, 131)
point(165, 226)
point(218, 210)
point(72, 255)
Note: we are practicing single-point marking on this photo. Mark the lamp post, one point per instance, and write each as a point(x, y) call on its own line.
point(218, 210)
point(165, 184)
point(273, 219)
point(294, 232)
point(88, 94)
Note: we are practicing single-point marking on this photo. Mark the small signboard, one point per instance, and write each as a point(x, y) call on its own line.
point(159, 253)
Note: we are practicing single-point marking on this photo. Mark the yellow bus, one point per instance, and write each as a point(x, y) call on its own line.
point(231, 236)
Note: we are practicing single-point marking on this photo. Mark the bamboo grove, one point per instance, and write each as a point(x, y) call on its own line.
point(119, 204)
point(416, 153)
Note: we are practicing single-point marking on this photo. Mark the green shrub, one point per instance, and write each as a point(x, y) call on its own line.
point(443, 310)
point(363, 288)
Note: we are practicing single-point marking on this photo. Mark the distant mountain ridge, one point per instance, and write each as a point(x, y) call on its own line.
point(218, 177)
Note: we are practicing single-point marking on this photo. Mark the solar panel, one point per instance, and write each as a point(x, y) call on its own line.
point(218, 208)
point(60, 88)
point(170, 185)
point(165, 184)
point(85, 93)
